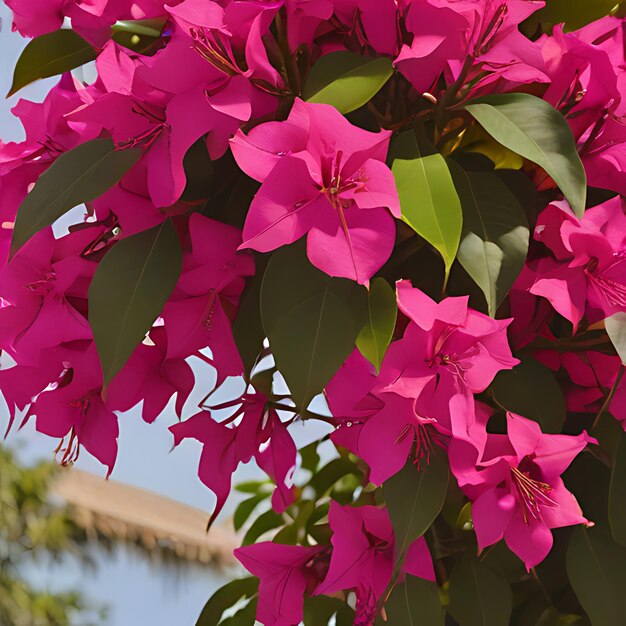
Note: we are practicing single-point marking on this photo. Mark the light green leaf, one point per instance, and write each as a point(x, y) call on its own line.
point(346, 80)
point(617, 492)
point(311, 320)
point(225, 598)
point(534, 129)
point(494, 243)
point(130, 287)
point(530, 389)
point(596, 567)
point(376, 335)
point(479, 596)
point(78, 176)
point(414, 497)
point(261, 525)
point(415, 603)
point(140, 36)
point(49, 55)
point(616, 330)
point(429, 201)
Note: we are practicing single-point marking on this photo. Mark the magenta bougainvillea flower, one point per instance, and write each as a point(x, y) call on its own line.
point(208, 134)
point(587, 275)
point(324, 178)
point(517, 489)
point(260, 434)
point(287, 574)
point(363, 557)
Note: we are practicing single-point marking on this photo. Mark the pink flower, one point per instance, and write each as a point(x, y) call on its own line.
point(259, 434)
point(199, 313)
point(287, 574)
point(363, 557)
point(588, 274)
point(517, 490)
point(324, 178)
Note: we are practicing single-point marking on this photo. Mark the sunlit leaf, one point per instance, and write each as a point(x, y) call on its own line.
point(430, 203)
point(616, 330)
point(346, 80)
point(534, 129)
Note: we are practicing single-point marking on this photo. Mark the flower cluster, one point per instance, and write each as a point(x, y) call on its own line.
point(383, 201)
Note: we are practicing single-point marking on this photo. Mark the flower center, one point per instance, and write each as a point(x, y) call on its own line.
point(532, 494)
point(44, 286)
point(613, 291)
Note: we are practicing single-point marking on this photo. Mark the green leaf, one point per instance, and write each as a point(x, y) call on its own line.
point(140, 36)
point(254, 486)
point(319, 610)
point(429, 201)
point(574, 13)
point(49, 55)
point(130, 287)
point(414, 497)
point(310, 457)
point(376, 335)
point(597, 571)
point(311, 320)
point(479, 596)
point(531, 390)
point(243, 617)
point(247, 328)
point(534, 129)
point(261, 525)
point(226, 597)
point(617, 493)
point(78, 176)
point(616, 330)
point(245, 509)
point(494, 242)
point(415, 603)
point(326, 478)
point(346, 80)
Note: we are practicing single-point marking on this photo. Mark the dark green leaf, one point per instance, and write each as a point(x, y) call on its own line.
point(375, 337)
point(430, 203)
point(494, 242)
point(253, 486)
point(226, 597)
point(78, 176)
point(310, 457)
point(319, 610)
point(479, 596)
point(414, 497)
point(531, 390)
point(597, 571)
point(551, 617)
point(617, 493)
point(247, 328)
point(575, 13)
point(243, 617)
point(49, 55)
point(534, 129)
point(311, 320)
point(616, 329)
point(262, 524)
point(130, 287)
point(330, 474)
point(346, 80)
point(199, 171)
point(415, 603)
point(140, 36)
point(245, 509)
